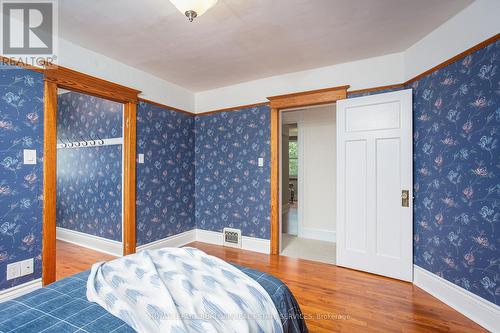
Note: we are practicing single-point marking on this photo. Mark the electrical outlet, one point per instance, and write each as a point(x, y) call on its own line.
point(261, 161)
point(13, 270)
point(141, 158)
point(26, 267)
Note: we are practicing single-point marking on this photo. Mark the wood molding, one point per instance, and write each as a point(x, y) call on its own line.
point(60, 77)
point(234, 108)
point(278, 103)
point(163, 106)
point(308, 98)
point(69, 79)
point(455, 58)
point(367, 90)
point(18, 63)
point(129, 173)
point(49, 183)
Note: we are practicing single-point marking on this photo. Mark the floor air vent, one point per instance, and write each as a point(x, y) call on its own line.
point(232, 237)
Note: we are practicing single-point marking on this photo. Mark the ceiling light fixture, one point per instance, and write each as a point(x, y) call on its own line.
point(193, 8)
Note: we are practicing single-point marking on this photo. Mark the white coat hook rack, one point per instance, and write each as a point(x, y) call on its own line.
point(65, 144)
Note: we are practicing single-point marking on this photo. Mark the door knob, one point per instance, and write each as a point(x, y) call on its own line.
point(405, 198)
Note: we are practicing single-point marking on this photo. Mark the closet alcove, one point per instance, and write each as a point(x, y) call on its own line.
point(89, 173)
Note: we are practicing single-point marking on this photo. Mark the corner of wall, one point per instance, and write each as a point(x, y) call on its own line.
point(365, 73)
point(476, 23)
point(153, 88)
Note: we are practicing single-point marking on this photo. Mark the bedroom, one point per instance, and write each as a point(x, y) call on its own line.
point(193, 161)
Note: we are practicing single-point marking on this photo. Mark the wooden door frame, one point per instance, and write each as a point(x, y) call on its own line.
point(277, 104)
point(60, 77)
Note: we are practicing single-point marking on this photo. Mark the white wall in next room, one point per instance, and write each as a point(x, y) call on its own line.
point(317, 171)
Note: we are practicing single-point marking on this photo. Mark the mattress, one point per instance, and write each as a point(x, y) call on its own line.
point(63, 307)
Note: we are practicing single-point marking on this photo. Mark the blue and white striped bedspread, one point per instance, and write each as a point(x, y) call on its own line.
point(182, 290)
point(62, 307)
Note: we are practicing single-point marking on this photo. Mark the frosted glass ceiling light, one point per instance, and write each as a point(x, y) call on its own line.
point(193, 8)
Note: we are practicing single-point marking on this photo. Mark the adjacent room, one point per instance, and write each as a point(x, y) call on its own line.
point(284, 166)
point(308, 173)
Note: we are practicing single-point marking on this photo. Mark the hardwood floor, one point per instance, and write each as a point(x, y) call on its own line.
point(72, 259)
point(365, 302)
point(333, 299)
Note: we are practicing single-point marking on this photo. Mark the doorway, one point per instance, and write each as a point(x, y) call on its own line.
point(308, 183)
point(374, 168)
point(60, 77)
point(289, 185)
point(89, 196)
point(278, 104)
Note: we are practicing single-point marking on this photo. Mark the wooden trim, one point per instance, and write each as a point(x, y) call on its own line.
point(49, 183)
point(308, 92)
point(367, 90)
point(455, 58)
point(69, 79)
point(308, 98)
point(60, 77)
point(129, 173)
point(234, 108)
point(163, 106)
point(14, 62)
point(278, 103)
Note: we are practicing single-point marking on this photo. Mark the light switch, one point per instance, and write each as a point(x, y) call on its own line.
point(261, 161)
point(141, 158)
point(29, 156)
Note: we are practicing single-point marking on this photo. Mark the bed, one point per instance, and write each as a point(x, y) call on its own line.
point(63, 307)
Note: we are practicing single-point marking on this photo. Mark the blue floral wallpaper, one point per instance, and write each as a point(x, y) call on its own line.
point(231, 189)
point(82, 116)
point(89, 190)
point(89, 180)
point(21, 127)
point(165, 182)
point(457, 172)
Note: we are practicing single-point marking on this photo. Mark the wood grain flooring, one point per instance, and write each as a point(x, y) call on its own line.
point(332, 298)
point(72, 259)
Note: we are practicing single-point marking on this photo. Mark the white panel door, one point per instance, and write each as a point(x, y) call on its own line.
point(374, 169)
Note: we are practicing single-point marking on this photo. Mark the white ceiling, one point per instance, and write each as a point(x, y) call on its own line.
point(242, 40)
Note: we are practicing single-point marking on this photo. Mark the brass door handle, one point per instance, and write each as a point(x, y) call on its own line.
point(405, 198)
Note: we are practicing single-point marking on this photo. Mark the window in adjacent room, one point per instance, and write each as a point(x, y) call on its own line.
point(293, 158)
